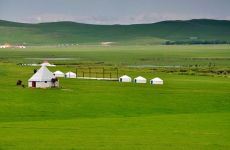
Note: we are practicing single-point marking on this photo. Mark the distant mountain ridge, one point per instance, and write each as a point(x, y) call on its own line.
point(72, 33)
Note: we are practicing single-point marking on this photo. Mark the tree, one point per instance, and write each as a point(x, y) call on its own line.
point(167, 43)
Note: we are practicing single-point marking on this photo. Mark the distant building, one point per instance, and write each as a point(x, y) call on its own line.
point(46, 63)
point(125, 78)
point(139, 79)
point(70, 75)
point(6, 45)
point(19, 47)
point(156, 81)
point(193, 38)
point(58, 74)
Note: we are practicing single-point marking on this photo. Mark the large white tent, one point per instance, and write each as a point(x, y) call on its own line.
point(139, 79)
point(58, 74)
point(156, 81)
point(43, 78)
point(70, 75)
point(125, 78)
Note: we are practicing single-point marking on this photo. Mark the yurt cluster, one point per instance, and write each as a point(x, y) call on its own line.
point(66, 75)
point(140, 79)
point(43, 78)
point(123, 78)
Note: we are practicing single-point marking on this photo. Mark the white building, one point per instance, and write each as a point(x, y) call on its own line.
point(156, 81)
point(125, 78)
point(46, 63)
point(22, 47)
point(58, 74)
point(43, 78)
point(139, 79)
point(70, 75)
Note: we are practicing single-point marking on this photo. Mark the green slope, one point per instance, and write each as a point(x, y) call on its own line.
point(70, 32)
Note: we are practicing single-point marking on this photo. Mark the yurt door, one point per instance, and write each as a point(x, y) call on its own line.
point(120, 79)
point(33, 84)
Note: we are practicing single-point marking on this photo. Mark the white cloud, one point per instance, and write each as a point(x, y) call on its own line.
point(38, 19)
point(46, 18)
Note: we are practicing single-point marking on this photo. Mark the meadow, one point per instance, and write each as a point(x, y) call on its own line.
point(141, 34)
point(186, 112)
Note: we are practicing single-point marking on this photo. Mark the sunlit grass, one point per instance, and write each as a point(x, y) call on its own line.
point(186, 112)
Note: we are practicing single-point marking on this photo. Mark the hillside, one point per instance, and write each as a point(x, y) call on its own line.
point(77, 33)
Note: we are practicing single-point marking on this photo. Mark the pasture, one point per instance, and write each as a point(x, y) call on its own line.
point(186, 112)
point(140, 34)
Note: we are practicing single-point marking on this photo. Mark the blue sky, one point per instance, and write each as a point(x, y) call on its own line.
point(112, 11)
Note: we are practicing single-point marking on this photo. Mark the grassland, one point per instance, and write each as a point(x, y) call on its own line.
point(140, 34)
point(130, 55)
point(187, 112)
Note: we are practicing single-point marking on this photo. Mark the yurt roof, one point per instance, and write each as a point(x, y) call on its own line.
point(140, 78)
point(124, 76)
point(70, 73)
point(45, 62)
point(157, 79)
point(58, 72)
point(43, 74)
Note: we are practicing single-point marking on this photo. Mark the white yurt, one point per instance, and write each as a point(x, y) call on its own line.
point(46, 63)
point(125, 78)
point(140, 79)
point(43, 78)
point(70, 75)
point(156, 81)
point(58, 74)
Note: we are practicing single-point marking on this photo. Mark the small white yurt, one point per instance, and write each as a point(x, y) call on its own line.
point(125, 78)
point(43, 78)
point(156, 81)
point(58, 74)
point(140, 79)
point(46, 63)
point(70, 75)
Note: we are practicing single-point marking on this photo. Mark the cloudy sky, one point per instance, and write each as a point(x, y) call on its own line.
point(112, 11)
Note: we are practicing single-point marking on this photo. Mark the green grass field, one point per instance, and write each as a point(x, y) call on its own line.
point(186, 112)
point(130, 55)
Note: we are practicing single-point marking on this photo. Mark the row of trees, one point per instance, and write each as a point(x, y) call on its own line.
point(195, 42)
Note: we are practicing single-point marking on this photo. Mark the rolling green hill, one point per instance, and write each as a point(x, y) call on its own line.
point(73, 33)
